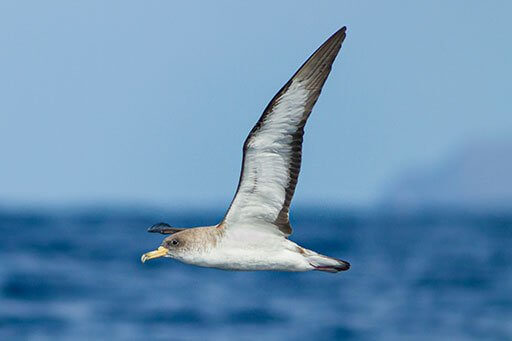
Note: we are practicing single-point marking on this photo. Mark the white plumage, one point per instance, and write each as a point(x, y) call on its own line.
point(253, 234)
point(265, 177)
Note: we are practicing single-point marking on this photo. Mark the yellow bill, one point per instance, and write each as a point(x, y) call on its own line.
point(160, 252)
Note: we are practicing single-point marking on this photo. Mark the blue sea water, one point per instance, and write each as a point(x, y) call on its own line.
point(77, 275)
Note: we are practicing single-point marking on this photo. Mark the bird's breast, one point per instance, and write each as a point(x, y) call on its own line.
point(249, 256)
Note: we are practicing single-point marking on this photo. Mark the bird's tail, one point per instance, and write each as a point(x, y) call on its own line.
point(325, 263)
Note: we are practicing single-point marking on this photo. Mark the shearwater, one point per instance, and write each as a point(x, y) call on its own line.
point(254, 232)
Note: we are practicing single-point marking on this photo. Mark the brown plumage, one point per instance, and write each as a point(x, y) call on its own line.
point(312, 75)
point(253, 234)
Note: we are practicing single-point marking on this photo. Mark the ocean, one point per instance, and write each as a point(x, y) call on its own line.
point(431, 275)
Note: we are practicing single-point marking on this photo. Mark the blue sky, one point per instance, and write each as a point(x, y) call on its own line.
point(149, 102)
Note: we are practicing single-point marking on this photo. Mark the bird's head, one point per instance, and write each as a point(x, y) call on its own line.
point(172, 246)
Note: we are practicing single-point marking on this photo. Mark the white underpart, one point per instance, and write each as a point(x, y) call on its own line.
point(262, 190)
point(249, 250)
point(251, 240)
point(252, 235)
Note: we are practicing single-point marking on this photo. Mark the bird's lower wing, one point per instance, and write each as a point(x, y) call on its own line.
point(273, 150)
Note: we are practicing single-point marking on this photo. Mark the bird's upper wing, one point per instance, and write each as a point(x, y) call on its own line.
point(272, 151)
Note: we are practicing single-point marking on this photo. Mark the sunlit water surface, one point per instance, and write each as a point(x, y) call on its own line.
point(77, 276)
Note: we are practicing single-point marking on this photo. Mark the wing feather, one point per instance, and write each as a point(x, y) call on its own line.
point(272, 152)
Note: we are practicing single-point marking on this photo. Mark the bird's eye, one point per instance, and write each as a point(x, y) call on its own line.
point(175, 242)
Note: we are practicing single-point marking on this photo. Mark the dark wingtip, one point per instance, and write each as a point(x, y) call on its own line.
point(158, 228)
point(341, 32)
point(164, 228)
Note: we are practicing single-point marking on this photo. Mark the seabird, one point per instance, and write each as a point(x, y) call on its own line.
point(254, 232)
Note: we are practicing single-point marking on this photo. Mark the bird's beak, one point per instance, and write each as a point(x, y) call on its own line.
point(160, 252)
